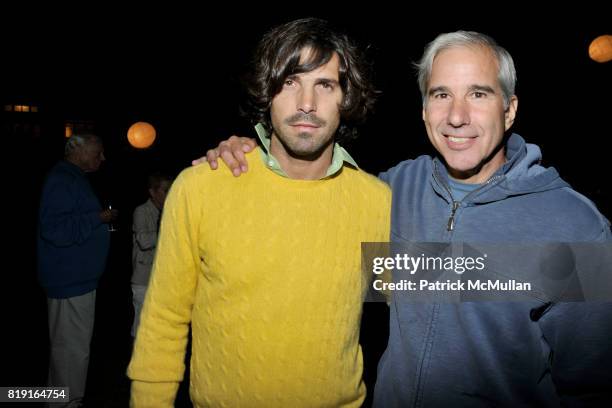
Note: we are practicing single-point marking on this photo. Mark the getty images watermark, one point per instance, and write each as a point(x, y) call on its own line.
point(456, 272)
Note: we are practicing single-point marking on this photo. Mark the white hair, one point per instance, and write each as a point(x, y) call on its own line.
point(506, 74)
point(78, 142)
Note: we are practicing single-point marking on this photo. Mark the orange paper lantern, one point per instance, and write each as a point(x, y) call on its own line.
point(141, 135)
point(600, 49)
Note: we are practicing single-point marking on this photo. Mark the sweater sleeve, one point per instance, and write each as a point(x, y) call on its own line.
point(386, 275)
point(157, 364)
point(61, 222)
point(147, 394)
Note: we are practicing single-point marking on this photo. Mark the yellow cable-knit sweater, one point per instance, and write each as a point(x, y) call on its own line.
point(267, 270)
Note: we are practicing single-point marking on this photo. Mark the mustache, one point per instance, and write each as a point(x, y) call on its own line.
point(301, 117)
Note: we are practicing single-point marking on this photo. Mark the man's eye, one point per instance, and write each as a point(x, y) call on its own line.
point(288, 82)
point(441, 95)
point(479, 95)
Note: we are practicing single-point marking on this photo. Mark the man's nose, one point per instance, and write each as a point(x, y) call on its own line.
point(459, 113)
point(307, 100)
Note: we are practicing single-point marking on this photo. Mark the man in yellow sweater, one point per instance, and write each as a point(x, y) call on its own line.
point(274, 297)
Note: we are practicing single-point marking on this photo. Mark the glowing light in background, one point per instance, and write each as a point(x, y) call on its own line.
point(141, 135)
point(600, 49)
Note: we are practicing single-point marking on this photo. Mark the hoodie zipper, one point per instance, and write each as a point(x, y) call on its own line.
point(451, 220)
point(450, 225)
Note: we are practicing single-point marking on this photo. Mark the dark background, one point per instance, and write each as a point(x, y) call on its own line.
point(179, 70)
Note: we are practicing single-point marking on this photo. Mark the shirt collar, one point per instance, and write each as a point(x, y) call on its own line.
point(339, 157)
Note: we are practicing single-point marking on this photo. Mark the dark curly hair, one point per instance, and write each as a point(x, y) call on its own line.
point(277, 56)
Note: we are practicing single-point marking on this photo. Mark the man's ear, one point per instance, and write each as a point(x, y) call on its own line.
point(510, 113)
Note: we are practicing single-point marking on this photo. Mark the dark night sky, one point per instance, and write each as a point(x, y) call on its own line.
point(179, 70)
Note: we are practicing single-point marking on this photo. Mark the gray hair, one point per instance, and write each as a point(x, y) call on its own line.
point(78, 142)
point(506, 74)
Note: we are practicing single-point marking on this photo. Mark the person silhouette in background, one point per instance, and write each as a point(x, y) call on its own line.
point(72, 246)
point(145, 228)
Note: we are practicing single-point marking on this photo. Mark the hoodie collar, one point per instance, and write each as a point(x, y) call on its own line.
point(520, 174)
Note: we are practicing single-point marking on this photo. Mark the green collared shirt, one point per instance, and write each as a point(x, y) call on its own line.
point(340, 155)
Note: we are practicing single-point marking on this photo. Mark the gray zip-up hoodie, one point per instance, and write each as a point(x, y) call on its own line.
point(531, 353)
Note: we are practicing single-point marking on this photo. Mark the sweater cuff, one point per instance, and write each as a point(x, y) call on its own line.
point(153, 394)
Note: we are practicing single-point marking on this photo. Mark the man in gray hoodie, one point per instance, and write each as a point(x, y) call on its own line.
point(488, 187)
point(485, 186)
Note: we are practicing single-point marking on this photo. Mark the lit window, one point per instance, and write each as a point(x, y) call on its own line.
point(69, 129)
